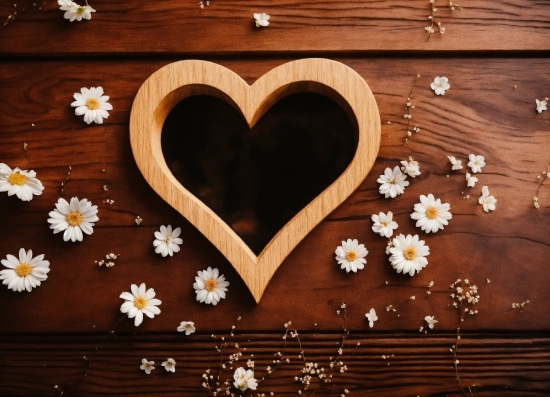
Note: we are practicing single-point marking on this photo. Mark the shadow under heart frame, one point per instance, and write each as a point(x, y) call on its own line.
point(173, 83)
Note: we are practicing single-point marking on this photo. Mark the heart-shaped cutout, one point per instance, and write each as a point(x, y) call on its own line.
point(257, 179)
point(164, 89)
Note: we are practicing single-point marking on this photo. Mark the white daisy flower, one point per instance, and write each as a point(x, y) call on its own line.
point(392, 183)
point(470, 180)
point(476, 162)
point(408, 254)
point(92, 104)
point(77, 217)
point(541, 105)
point(431, 321)
point(25, 273)
point(167, 241)
point(383, 224)
point(440, 85)
point(244, 379)
point(22, 183)
point(209, 286)
point(488, 202)
point(261, 19)
point(140, 302)
point(74, 11)
point(410, 167)
point(169, 365)
point(351, 255)
point(147, 366)
point(371, 316)
point(457, 164)
point(430, 214)
point(187, 326)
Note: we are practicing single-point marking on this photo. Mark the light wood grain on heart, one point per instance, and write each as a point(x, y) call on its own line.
point(177, 81)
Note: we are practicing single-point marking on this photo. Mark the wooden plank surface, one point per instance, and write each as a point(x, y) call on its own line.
point(182, 27)
point(382, 365)
point(489, 110)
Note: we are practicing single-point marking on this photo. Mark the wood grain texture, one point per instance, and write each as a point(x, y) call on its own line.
point(482, 113)
point(177, 81)
point(489, 110)
point(181, 27)
point(382, 365)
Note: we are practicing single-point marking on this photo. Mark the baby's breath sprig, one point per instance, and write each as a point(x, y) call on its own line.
point(204, 3)
point(541, 181)
point(465, 296)
point(13, 15)
point(109, 260)
point(408, 106)
point(436, 22)
point(520, 305)
point(211, 383)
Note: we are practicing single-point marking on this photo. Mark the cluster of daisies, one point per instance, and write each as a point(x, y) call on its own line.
point(476, 163)
point(408, 253)
point(209, 286)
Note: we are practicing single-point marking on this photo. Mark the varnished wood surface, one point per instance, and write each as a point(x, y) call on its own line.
point(482, 113)
point(181, 27)
point(382, 365)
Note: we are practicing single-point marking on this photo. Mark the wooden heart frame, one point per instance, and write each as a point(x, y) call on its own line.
point(174, 82)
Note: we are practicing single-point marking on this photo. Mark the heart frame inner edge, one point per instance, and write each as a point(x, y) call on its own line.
point(176, 81)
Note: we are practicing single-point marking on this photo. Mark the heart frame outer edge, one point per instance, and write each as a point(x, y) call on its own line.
point(174, 82)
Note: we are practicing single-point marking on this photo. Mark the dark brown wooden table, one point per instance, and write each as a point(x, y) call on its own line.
point(495, 56)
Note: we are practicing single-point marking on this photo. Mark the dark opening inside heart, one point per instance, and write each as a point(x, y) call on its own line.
point(257, 179)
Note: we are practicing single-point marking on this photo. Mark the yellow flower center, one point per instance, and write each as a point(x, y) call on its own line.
point(17, 179)
point(431, 213)
point(74, 218)
point(140, 302)
point(351, 256)
point(80, 10)
point(210, 285)
point(23, 269)
point(409, 253)
point(92, 104)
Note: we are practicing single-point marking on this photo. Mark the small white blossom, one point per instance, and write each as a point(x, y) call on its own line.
point(139, 302)
point(487, 201)
point(74, 218)
point(541, 105)
point(410, 167)
point(430, 214)
point(22, 183)
point(383, 224)
point(351, 255)
point(244, 379)
point(408, 254)
point(209, 286)
point(24, 273)
point(261, 19)
point(431, 321)
point(440, 84)
point(169, 365)
point(476, 162)
point(392, 183)
point(187, 326)
point(92, 104)
point(167, 241)
point(457, 164)
point(147, 366)
point(371, 316)
point(470, 180)
point(74, 11)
